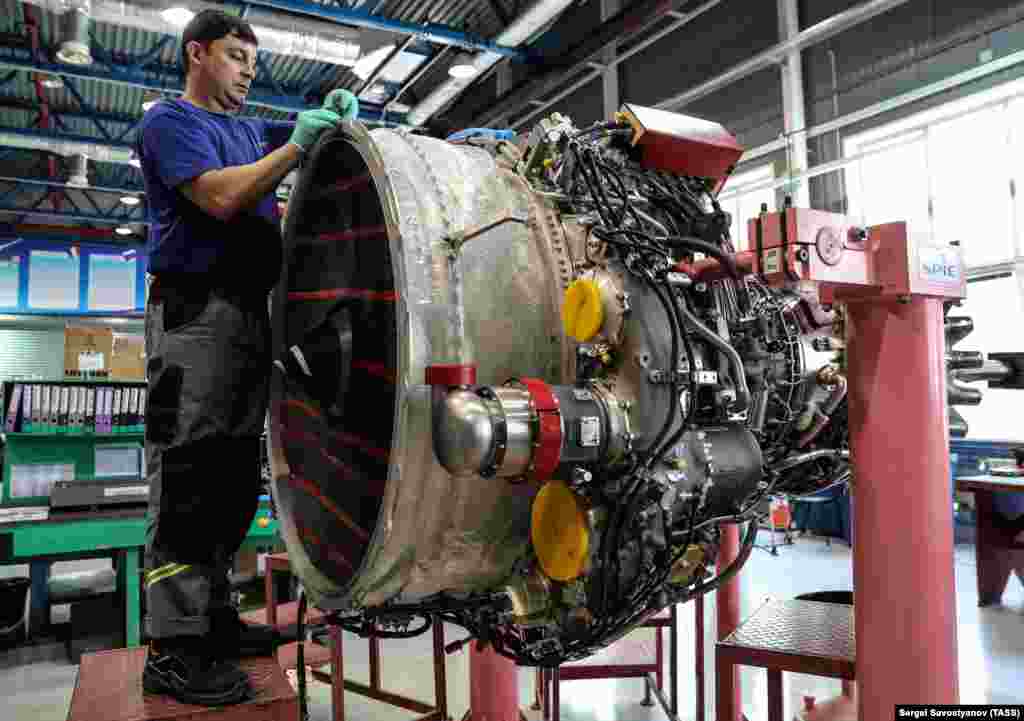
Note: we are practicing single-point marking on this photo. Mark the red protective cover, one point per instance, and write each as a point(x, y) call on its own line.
point(682, 144)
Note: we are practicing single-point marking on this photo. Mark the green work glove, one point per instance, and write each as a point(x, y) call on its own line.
point(310, 124)
point(342, 102)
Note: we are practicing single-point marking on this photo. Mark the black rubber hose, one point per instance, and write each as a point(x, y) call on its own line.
point(301, 657)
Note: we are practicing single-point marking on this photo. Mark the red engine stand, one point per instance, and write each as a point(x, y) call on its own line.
point(493, 687)
point(893, 291)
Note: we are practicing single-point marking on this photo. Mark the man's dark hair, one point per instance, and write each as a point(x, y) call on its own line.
point(210, 25)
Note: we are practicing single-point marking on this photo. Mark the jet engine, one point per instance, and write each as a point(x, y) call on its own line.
point(511, 395)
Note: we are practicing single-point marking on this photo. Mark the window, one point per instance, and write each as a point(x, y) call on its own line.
point(891, 182)
point(53, 280)
point(744, 203)
point(971, 185)
point(10, 274)
point(111, 282)
point(948, 173)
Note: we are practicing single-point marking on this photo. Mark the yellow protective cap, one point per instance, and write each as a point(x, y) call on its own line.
point(559, 531)
point(582, 310)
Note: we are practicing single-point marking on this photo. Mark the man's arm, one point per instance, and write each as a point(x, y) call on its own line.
point(224, 192)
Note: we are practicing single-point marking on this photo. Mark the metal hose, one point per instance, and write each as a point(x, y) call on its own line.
point(738, 371)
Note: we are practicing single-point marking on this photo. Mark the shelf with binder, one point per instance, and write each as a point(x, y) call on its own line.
point(66, 430)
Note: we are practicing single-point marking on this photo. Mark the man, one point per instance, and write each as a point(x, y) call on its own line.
point(215, 252)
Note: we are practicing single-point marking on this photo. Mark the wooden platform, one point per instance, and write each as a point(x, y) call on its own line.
point(286, 617)
point(315, 655)
point(109, 688)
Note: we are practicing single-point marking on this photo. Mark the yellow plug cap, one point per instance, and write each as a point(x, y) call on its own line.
point(582, 310)
point(559, 532)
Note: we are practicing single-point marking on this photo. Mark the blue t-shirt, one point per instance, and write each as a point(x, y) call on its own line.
point(178, 142)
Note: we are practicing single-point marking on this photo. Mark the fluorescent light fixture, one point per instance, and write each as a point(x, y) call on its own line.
point(123, 230)
point(369, 62)
point(131, 200)
point(178, 16)
point(462, 71)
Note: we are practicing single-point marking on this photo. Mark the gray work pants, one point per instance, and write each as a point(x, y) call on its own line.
point(208, 374)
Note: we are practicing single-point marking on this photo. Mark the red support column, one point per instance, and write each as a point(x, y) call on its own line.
point(905, 602)
point(494, 687)
point(727, 598)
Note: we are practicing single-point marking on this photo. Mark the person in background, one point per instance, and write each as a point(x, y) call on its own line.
point(215, 253)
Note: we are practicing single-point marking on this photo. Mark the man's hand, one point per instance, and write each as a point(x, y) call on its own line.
point(343, 103)
point(310, 124)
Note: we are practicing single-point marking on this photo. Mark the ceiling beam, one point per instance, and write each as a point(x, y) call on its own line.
point(818, 33)
point(617, 30)
point(432, 32)
point(72, 215)
point(65, 186)
point(167, 79)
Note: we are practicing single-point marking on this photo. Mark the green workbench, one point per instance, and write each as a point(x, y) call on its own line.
point(116, 534)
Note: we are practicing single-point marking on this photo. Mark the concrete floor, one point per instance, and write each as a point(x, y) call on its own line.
point(35, 686)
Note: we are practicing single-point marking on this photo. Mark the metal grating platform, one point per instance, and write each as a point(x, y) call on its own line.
point(805, 628)
point(796, 636)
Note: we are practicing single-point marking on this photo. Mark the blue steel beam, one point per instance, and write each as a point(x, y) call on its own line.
point(167, 79)
point(361, 18)
point(33, 241)
point(67, 215)
point(33, 182)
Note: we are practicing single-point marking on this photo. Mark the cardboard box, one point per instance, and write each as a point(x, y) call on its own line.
point(85, 345)
point(129, 359)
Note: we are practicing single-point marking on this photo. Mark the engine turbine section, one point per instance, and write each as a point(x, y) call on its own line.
point(504, 398)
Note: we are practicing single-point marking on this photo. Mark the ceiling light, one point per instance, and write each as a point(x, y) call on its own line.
point(123, 230)
point(177, 16)
point(52, 82)
point(74, 50)
point(131, 200)
point(462, 71)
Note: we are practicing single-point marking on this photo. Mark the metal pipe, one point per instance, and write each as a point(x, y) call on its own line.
point(991, 371)
point(65, 186)
point(899, 101)
point(54, 143)
point(813, 35)
point(794, 461)
point(735, 362)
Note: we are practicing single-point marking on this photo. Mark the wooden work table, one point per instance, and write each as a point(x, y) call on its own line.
point(997, 550)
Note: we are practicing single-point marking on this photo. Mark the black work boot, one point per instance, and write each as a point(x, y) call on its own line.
point(190, 670)
point(238, 639)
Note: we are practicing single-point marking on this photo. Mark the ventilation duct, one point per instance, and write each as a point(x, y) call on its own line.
point(520, 31)
point(297, 37)
point(75, 47)
point(95, 151)
point(79, 173)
